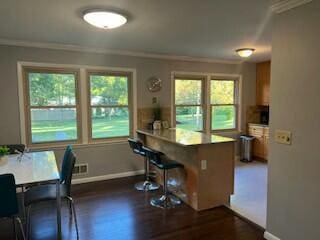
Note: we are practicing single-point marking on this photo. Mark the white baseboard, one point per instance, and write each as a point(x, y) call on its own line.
point(269, 236)
point(107, 177)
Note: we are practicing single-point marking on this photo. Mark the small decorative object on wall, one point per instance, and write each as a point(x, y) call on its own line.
point(157, 125)
point(165, 124)
point(154, 84)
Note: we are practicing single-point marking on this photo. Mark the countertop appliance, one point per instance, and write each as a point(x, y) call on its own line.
point(264, 117)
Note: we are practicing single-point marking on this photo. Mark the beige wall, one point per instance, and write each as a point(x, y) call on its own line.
point(109, 158)
point(294, 171)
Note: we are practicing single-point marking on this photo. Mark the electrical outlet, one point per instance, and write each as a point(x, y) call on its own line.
point(283, 137)
point(203, 164)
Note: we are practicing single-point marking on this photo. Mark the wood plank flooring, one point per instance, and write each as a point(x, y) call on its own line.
point(113, 210)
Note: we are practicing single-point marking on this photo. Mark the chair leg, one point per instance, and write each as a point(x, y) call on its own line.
point(146, 185)
point(166, 200)
point(14, 229)
point(146, 169)
point(28, 224)
point(74, 215)
point(21, 228)
point(70, 207)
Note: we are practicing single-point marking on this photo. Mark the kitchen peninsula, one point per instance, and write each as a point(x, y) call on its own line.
point(207, 179)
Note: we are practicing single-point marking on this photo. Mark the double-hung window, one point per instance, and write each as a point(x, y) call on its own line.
point(188, 98)
point(52, 106)
point(223, 104)
point(110, 108)
point(63, 104)
point(206, 102)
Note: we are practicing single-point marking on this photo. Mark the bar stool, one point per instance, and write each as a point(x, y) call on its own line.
point(145, 185)
point(158, 159)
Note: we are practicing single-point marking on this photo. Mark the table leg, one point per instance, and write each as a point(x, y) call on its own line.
point(58, 211)
point(23, 207)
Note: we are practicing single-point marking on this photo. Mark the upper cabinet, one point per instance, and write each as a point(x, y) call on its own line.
point(263, 83)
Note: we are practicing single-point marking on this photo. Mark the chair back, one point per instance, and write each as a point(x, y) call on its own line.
point(65, 164)
point(13, 148)
point(135, 145)
point(68, 166)
point(8, 196)
point(153, 155)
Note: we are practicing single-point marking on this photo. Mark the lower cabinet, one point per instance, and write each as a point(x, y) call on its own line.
point(261, 141)
point(258, 146)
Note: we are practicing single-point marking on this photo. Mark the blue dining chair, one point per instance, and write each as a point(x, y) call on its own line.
point(47, 192)
point(8, 201)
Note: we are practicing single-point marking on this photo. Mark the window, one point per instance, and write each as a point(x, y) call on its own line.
point(189, 103)
point(62, 104)
point(205, 102)
point(223, 104)
point(109, 105)
point(52, 106)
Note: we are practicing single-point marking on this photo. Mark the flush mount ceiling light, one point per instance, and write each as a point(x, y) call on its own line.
point(245, 52)
point(104, 19)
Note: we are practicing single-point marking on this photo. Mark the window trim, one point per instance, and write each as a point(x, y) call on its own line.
point(82, 98)
point(28, 107)
point(90, 72)
point(235, 104)
point(207, 101)
point(202, 103)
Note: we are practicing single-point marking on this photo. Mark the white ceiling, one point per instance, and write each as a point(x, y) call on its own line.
point(196, 28)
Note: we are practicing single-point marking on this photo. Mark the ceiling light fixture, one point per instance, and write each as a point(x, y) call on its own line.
point(245, 52)
point(104, 19)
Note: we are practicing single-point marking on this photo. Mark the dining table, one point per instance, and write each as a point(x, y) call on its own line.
point(33, 168)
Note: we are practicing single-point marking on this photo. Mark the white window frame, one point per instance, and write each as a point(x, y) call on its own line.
point(207, 103)
point(90, 72)
point(235, 104)
point(202, 104)
point(83, 102)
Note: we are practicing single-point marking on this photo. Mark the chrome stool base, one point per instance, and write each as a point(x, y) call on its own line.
point(165, 201)
point(146, 186)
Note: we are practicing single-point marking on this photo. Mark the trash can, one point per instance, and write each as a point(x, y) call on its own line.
point(246, 148)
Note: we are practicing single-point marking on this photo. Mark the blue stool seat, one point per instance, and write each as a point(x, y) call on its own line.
point(166, 163)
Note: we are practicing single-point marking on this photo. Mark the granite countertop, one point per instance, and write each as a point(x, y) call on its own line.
point(185, 137)
point(258, 124)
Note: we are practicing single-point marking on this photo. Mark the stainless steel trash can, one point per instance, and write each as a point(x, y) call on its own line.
point(246, 148)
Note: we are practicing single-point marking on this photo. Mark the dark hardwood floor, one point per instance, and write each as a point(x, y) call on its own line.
point(113, 210)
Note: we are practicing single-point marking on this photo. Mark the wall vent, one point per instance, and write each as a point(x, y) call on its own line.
point(80, 169)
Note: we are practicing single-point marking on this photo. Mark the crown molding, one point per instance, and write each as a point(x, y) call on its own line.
point(77, 48)
point(280, 6)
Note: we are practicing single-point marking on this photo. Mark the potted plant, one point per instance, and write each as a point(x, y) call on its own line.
point(4, 151)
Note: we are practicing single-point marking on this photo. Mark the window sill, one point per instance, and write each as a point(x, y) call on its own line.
point(80, 145)
point(227, 132)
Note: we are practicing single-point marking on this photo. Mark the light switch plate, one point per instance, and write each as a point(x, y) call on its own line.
point(283, 137)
